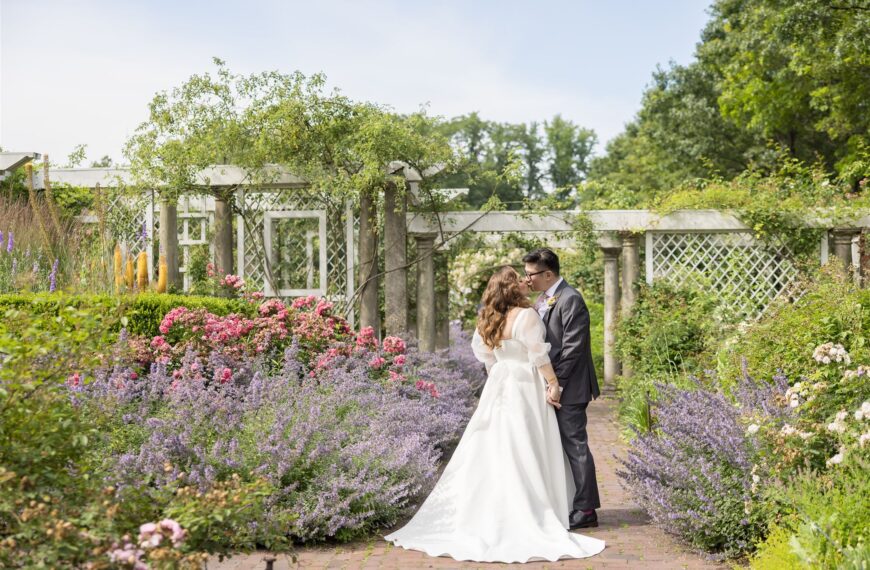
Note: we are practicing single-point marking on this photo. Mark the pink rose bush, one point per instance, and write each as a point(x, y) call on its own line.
point(268, 333)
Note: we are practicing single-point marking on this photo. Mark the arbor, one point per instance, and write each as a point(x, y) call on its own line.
point(339, 147)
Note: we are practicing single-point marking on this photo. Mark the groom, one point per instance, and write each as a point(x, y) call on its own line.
point(566, 319)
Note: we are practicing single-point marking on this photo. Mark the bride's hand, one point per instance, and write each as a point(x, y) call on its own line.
point(554, 393)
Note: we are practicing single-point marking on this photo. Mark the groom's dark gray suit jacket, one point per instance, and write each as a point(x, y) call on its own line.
point(567, 323)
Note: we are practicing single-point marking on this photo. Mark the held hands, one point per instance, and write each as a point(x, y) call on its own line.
point(554, 393)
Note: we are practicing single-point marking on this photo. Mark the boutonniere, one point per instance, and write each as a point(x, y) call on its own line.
point(552, 301)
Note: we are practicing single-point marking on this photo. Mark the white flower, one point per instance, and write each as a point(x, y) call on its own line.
point(842, 415)
point(865, 407)
point(794, 402)
point(865, 437)
point(835, 460)
point(859, 414)
point(826, 360)
point(838, 427)
point(752, 429)
point(805, 435)
point(756, 478)
point(787, 430)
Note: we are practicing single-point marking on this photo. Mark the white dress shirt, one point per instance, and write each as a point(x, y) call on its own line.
point(542, 309)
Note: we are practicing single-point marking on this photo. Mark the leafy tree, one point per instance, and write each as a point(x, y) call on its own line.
point(773, 80)
point(569, 149)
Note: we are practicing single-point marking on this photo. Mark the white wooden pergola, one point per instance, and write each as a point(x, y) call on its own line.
point(674, 246)
point(621, 235)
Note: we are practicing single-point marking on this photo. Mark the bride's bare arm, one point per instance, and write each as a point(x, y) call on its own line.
point(549, 374)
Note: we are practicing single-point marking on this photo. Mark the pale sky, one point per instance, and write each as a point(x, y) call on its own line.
point(83, 71)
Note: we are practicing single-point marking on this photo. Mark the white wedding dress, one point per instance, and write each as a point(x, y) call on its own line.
point(504, 496)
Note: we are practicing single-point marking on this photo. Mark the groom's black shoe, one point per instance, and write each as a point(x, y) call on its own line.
point(579, 519)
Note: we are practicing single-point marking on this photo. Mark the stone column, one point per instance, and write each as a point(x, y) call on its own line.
point(611, 246)
point(369, 314)
point(843, 245)
point(223, 238)
point(426, 292)
point(395, 261)
point(442, 301)
point(630, 273)
point(169, 241)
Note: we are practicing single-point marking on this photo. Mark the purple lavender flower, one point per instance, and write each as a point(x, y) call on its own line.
point(343, 453)
point(144, 233)
point(10, 243)
point(52, 278)
point(693, 472)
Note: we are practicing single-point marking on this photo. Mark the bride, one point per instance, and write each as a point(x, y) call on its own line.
point(504, 496)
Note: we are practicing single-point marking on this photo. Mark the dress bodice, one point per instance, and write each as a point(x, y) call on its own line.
point(525, 345)
point(511, 349)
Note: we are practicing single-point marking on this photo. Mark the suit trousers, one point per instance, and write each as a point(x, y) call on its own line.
point(575, 441)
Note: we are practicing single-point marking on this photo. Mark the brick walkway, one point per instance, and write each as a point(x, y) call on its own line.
point(632, 542)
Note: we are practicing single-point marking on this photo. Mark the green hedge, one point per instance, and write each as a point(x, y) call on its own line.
point(141, 313)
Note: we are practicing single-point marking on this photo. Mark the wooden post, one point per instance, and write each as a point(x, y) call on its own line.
point(425, 292)
point(395, 260)
point(630, 273)
point(169, 240)
point(368, 262)
point(612, 248)
point(223, 236)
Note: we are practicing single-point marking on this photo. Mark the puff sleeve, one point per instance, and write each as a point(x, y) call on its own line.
point(482, 352)
point(531, 332)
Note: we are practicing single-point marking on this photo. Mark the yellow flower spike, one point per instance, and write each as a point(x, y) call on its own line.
point(119, 271)
point(162, 275)
point(142, 271)
point(128, 273)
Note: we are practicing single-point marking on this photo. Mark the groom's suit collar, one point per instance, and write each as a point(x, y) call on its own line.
point(552, 292)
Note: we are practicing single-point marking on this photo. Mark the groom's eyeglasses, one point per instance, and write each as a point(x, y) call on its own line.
point(530, 275)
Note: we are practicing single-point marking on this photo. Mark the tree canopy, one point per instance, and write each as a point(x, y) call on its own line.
point(772, 80)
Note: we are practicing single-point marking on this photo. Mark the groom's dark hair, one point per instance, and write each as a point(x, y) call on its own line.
point(545, 258)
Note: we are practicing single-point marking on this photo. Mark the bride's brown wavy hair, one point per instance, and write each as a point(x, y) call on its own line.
point(501, 295)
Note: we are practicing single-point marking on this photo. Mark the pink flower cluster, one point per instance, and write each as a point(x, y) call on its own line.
point(232, 282)
point(396, 377)
point(152, 534)
point(181, 314)
point(236, 336)
point(326, 358)
point(304, 302)
point(429, 387)
point(74, 380)
point(394, 345)
point(365, 339)
point(128, 555)
point(223, 375)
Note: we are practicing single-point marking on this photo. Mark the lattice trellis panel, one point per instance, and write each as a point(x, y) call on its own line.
point(130, 223)
point(745, 273)
point(128, 220)
point(195, 224)
point(295, 260)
